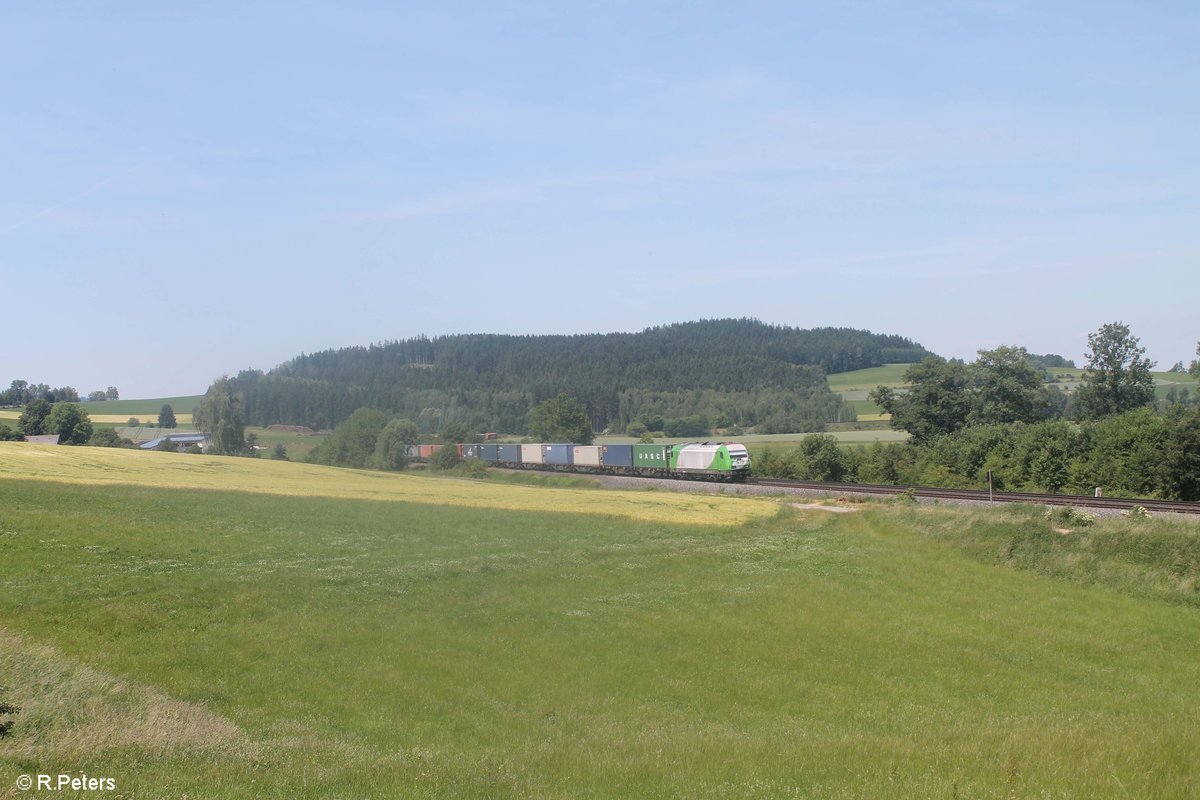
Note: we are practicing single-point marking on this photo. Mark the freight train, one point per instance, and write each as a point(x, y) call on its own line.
point(724, 461)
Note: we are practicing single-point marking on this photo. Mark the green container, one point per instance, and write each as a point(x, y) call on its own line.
point(652, 455)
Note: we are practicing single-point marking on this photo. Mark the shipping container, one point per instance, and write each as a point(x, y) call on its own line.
point(531, 454)
point(413, 451)
point(616, 455)
point(509, 453)
point(559, 454)
point(429, 449)
point(652, 455)
point(488, 452)
point(585, 455)
point(470, 450)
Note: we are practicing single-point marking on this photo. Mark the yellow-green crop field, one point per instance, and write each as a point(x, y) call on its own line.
point(109, 466)
point(218, 629)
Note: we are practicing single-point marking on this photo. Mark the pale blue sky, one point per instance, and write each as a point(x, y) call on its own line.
point(186, 191)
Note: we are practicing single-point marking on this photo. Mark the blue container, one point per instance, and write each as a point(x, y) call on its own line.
point(561, 454)
point(617, 455)
point(488, 452)
point(508, 453)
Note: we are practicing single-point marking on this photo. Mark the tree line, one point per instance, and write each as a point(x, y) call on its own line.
point(998, 415)
point(21, 393)
point(742, 372)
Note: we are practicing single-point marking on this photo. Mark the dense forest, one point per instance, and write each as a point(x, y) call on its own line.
point(718, 373)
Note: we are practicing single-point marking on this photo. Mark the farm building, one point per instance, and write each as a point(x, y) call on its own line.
point(182, 441)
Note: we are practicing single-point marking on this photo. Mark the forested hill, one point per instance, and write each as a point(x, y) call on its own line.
point(741, 372)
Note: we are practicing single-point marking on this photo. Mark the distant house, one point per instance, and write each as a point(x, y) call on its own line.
point(181, 441)
point(49, 438)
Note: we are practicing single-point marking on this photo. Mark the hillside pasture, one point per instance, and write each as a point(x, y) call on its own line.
point(224, 644)
point(854, 387)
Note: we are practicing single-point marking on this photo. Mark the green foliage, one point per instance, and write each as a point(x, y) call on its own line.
point(1182, 455)
point(937, 401)
point(280, 453)
point(7, 434)
point(725, 369)
point(166, 416)
point(391, 446)
point(1124, 454)
point(1118, 376)
point(1138, 513)
point(637, 429)
point(693, 425)
point(1000, 386)
point(818, 457)
point(220, 417)
point(445, 458)
point(33, 419)
point(562, 419)
point(1070, 517)
point(7, 713)
point(70, 422)
point(352, 444)
point(1008, 388)
point(455, 433)
point(107, 437)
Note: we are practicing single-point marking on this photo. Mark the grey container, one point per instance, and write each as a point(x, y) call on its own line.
point(559, 454)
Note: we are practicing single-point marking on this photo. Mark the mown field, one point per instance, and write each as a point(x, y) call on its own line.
point(174, 623)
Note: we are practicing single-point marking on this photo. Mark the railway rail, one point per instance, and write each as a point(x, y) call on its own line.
point(979, 495)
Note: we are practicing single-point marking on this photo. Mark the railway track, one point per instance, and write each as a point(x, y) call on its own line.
point(976, 495)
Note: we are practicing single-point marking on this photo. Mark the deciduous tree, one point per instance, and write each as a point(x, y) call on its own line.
point(1008, 388)
point(32, 421)
point(353, 442)
point(220, 417)
point(70, 422)
point(562, 419)
point(391, 447)
point(1117, 378)
point(936, 402)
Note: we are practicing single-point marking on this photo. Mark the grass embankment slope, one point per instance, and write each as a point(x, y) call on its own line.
point(221, 643)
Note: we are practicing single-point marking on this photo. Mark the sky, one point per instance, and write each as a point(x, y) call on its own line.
point(188, 190)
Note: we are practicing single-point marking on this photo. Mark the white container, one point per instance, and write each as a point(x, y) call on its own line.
point(587, 455)
point(531, 454)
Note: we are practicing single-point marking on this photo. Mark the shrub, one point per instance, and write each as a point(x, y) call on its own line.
point(445, 458)
point(1138, 513)
point(1070, 516)
point(7, 712)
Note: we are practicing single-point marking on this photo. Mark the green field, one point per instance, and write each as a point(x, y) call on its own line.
point(854, 387)
point(225, 644)
point(146, 409)
point(867, 379)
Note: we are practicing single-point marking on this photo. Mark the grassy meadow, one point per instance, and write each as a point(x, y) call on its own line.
point(227, 628)
point(856, 385)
